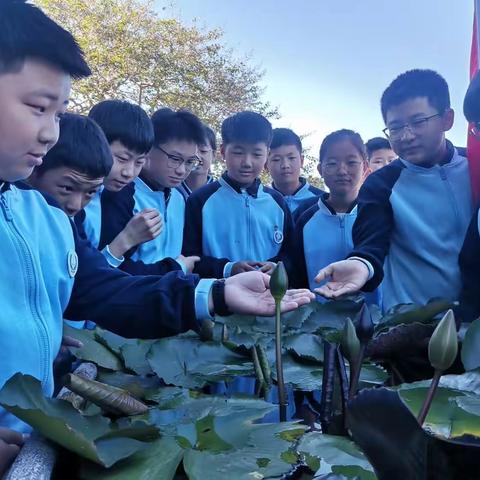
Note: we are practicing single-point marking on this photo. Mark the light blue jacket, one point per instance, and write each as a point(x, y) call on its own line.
point(411, 225)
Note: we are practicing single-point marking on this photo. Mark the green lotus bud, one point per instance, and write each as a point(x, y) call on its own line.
point(279, 282)
point(443, 345)
point(365, 325)
point(350, 343)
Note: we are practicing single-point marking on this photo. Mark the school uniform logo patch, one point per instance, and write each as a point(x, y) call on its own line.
point(72, 263)
point(277, 236)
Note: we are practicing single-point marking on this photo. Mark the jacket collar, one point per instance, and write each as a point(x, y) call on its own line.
point(303, 183)
point(4, 186)
point(155, 187)
point(450, 158)
point(184, 185)
point(238, 187)
point(323, 204)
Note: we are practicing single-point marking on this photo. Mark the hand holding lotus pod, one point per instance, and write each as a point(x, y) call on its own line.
point(111, 399)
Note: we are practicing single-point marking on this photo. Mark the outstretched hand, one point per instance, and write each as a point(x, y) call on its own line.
point(345, 277)
point(248, 293)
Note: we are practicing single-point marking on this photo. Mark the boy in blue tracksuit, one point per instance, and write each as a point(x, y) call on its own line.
point(413, 213)
point(49, 272)
point(173, 156)
point(200, 175)
point(236, 224)
point(323, 231)
point(284, 164)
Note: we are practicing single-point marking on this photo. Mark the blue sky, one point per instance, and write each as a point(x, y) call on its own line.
point(327, 62)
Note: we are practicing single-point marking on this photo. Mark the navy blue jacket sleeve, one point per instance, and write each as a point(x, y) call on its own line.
point(207, 267)
point(131, 306)
point(117, 210)
point(287, 247)
point(374, 224)
point(469, 261)
point(298, 266)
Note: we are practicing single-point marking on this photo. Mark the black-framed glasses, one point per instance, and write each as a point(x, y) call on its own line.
point(415, 126)
point(175, 161)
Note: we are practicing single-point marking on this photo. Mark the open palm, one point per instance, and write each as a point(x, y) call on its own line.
point(248, 293)
point(345, 277)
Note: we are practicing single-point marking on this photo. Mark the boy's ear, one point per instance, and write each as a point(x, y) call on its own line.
point(222, 152)
point(448, 118)
point(319, 169)
point(302, 160)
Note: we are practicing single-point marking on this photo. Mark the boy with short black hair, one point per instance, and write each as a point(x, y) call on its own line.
point(236, 224)
point(200, 175)
point(173, 156)
point(379, 153)
point(413, 213)
point(74, 169)
point(284, 164)
point(54, 271)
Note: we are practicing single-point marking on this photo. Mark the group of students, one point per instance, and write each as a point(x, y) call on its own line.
point(114, 218)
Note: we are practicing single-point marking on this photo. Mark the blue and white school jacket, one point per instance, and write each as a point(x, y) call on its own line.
point(322, 236)
point(226, 223)
point(155, 257)
point(49, 273)
point(410, 226)
point(304, 192)
point(186, 191)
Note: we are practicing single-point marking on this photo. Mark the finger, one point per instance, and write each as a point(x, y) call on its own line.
point(328, 292)
point(267, 268)
point(11, 436)
point(7, 455)
point(194, 259)
point(324, 273)
point(68, 341)
point(155, 231)
point(303, 292)
point(247, 267)
point(288, 306)
point(152, 214)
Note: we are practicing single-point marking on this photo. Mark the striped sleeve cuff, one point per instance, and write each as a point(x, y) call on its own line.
point(202, 293)
point(112, 260)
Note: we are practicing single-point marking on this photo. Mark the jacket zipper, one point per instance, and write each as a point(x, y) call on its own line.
point(341, 219)
point(25, 253)
point(444, 177)
point(249, 220)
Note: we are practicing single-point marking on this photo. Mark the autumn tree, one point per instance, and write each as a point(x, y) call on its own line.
point(138, 56)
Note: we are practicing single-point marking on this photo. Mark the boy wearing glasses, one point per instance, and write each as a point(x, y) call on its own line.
point(413, 213)
point(236, 224)
point(173, 156)
point(200, 175)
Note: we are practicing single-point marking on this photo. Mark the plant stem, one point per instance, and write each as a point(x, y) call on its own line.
point(355, 369)
point(282, 403)
point(429, 398)
point(328, 384)
point(342, 372)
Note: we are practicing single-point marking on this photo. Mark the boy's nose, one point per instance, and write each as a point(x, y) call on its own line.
point(73, 205)
point(49, 131)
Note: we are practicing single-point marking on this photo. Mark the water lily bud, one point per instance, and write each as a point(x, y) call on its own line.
point(365, 326)
point(443, 345)
point(279, 282)
point(350, 343)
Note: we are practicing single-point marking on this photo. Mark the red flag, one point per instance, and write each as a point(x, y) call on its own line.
point(473, 144)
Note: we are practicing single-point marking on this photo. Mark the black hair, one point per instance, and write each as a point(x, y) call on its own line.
point(340, 136)
point(247, 127)
point(82, 146)
point(413, 84)
point(471, 104)
point(26, 32)
point(210, 138)
point(179, 125)
point(376, 143)
point(126, 122)
point(285, 136)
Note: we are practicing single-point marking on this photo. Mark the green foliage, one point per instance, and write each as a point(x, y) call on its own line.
point(137, 55)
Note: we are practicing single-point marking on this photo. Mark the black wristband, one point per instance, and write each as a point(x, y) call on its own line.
point(220, 307)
